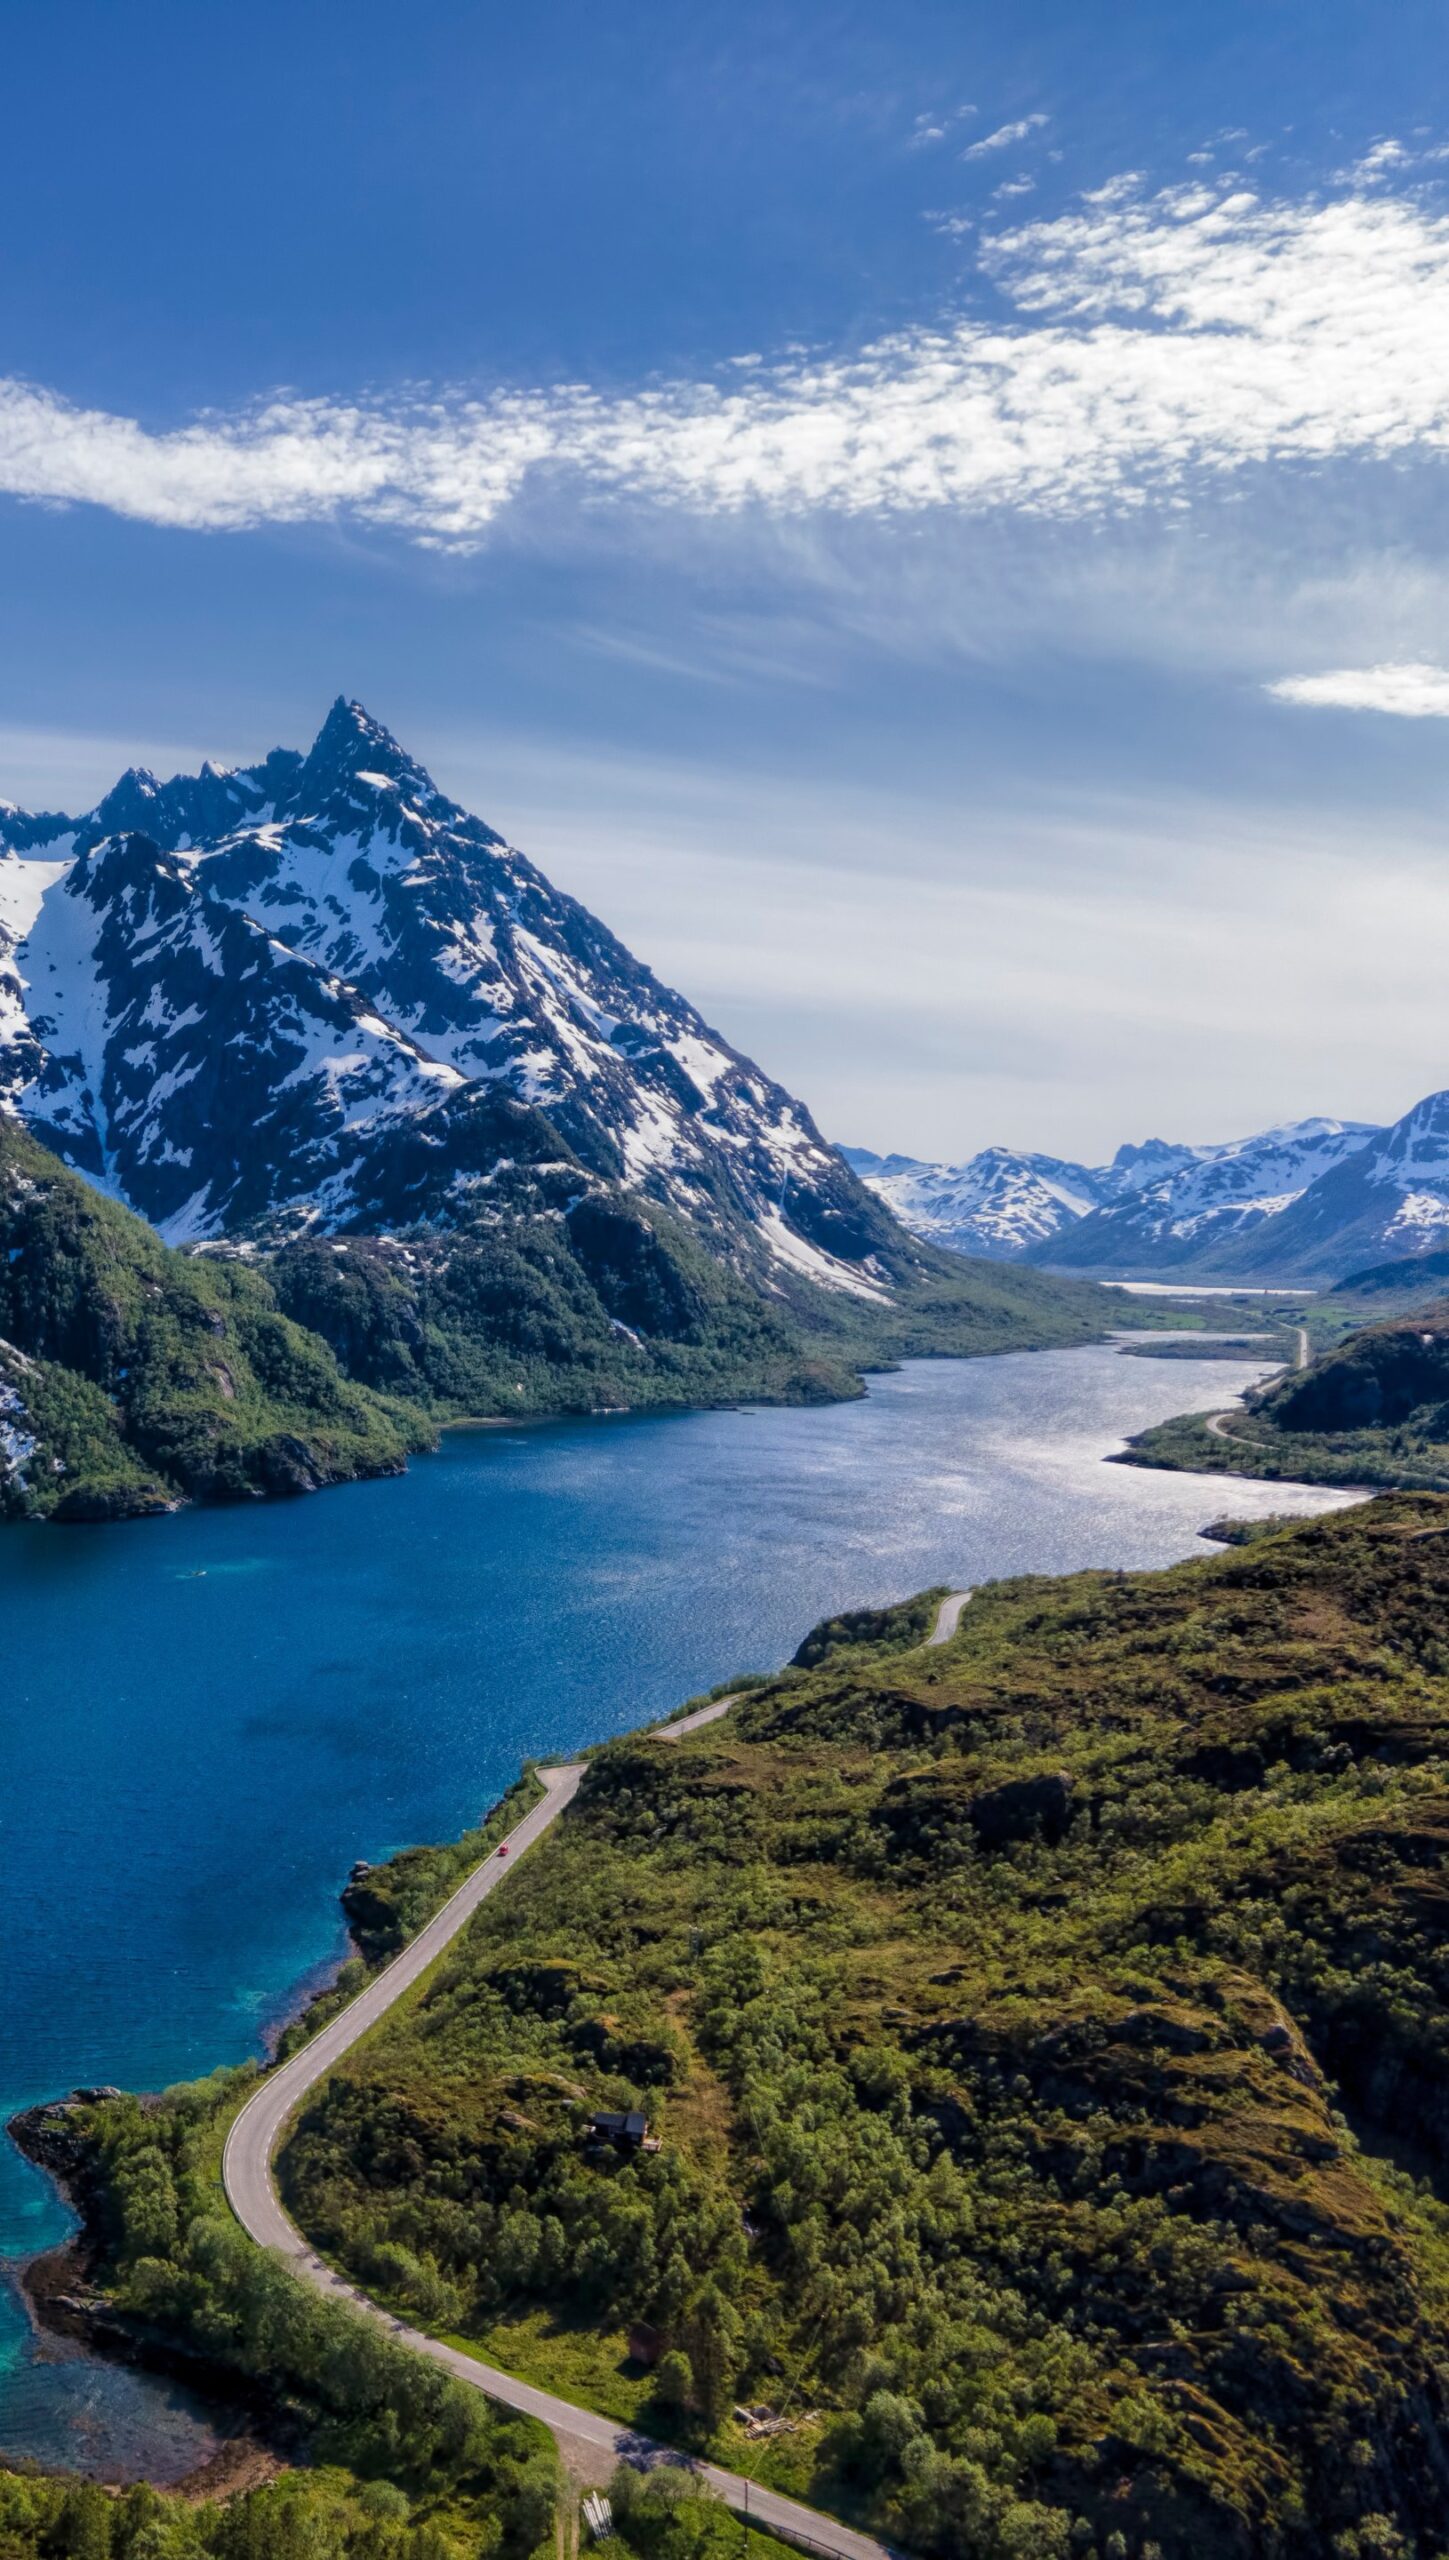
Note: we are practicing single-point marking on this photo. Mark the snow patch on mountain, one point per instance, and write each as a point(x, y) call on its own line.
point(998, 1203)
point(812, 1264)
point(1417, 1219)
point(1157, 1207)
point(18, 1443)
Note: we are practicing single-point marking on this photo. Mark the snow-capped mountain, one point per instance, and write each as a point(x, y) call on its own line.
point(1205, 1211)
point(999, 1204)
point(1317, 1196)
point(229, 998)
point(1388, 1199)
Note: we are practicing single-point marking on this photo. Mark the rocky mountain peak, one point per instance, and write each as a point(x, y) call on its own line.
point(353, 750)
point(129, 804)
point(293, 973)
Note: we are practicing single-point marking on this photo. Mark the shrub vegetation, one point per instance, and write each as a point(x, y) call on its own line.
point(1047, 2036)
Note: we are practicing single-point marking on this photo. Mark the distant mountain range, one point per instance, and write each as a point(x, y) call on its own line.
point(1313, 1201)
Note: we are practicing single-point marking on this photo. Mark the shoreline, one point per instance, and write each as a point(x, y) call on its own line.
point(61, 2301)
point(53, 2284)
point(56, 2289)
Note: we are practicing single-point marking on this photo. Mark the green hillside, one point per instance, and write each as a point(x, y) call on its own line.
point(1047, 2039)
point(133, 1377)
point(1371, 1410)
point(619, 1303)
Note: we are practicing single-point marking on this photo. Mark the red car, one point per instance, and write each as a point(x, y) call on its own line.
point(503, 1852)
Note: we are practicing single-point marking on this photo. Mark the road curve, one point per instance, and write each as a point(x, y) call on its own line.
point(246, 2171)
point(948, 1617)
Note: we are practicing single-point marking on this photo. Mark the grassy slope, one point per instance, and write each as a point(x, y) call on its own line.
point(1373, 1409)
point(991, 2002)
point(143, 1376)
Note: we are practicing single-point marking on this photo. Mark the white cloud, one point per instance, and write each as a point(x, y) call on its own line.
point(1157, 341)
point(1381, 161)
point(1414, 689)
point(933, 128)
point(1004, 136)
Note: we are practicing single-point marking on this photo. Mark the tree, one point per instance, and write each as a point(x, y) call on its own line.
point(83, 2528)
point(674, 2381)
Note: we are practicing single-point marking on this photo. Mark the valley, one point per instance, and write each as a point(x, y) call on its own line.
point(209, 1717)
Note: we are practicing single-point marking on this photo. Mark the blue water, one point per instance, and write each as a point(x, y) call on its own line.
point(205, 1720)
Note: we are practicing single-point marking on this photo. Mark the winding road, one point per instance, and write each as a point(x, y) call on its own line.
point(1217, 1422)
point(948, 1617)
point(692, 1723)
point(589, 2445)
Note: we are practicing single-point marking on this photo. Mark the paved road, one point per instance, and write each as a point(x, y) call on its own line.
point(691, 1724)
point(590, 2445)
point(1217, 1423)
point(948, 1617)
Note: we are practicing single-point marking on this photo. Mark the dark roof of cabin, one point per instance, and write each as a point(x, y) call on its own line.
point(632, 2126)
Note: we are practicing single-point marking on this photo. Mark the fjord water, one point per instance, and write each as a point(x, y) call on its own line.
point(205, 1720)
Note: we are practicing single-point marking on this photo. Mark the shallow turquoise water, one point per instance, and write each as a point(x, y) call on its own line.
point(205, 1720)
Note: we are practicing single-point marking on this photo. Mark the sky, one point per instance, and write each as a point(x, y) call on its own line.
point(932, 520)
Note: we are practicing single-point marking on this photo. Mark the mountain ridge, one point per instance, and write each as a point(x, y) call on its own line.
point(1314, 1200)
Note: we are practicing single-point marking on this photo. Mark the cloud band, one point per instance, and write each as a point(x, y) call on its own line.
point(1412, 688)
point(1156, 341)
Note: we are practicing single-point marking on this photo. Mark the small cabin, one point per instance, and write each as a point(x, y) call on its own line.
point(625, 2132)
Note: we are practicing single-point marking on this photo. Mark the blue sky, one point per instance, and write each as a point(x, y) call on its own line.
point(931, 519)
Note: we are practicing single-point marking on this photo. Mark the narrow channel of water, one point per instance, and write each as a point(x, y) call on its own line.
point(205, 1720)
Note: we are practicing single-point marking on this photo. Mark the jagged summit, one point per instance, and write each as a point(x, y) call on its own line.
point(223, 995)
point(351, 749)
point(129, 802)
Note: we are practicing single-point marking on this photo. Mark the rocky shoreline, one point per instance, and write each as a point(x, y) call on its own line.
point(65, 2303)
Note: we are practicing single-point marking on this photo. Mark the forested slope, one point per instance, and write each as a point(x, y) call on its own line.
point(1373, 1409)
point(1032, 2026)
point(133, 1377)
